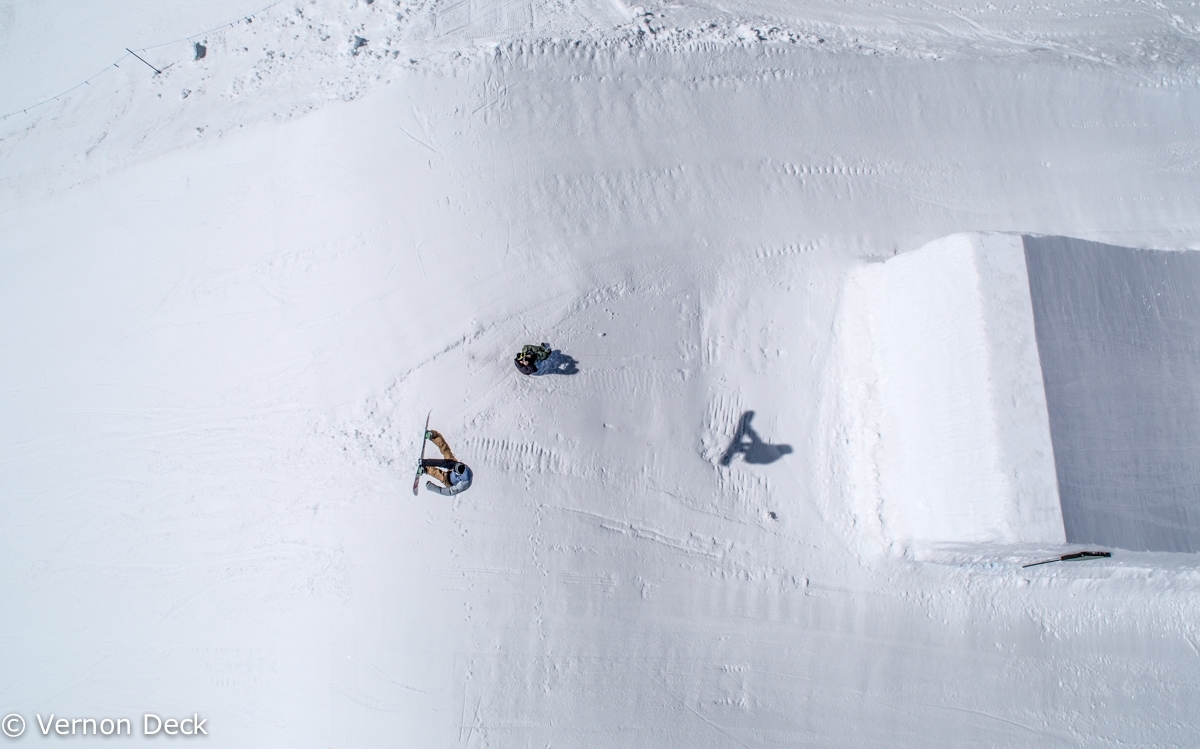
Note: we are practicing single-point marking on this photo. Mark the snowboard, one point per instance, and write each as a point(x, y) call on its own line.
point(417, 478)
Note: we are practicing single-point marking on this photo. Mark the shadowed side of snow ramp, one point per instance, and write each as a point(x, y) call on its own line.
point(1119, 334)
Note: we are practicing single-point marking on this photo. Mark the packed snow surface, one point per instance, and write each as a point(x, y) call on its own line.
point(235, 288)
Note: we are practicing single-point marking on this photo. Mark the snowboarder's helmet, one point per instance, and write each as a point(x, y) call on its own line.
point(459, 469)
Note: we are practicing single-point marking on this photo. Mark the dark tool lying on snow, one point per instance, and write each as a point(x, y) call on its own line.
point(1069, 557)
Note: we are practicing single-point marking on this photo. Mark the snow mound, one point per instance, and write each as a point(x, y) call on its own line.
point(953, 443)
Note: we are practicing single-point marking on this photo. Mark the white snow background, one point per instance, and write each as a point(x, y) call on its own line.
point(231, 292)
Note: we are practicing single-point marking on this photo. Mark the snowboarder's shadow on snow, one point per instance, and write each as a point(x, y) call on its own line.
point(559, 363)
point(747, 442)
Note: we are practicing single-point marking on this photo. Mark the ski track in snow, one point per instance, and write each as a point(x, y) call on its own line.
point(236, 287)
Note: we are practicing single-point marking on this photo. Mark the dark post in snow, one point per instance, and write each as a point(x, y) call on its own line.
point(135, 54)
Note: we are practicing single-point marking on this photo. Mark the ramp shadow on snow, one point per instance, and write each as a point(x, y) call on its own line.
point(751, 447)
point(1118, 335)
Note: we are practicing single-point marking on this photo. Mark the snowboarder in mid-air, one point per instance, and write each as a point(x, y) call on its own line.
point(531, 357)
point(454, 475)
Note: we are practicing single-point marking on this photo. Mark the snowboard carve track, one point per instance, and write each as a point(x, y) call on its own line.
point(524, 457)
point(693, 545)
point(724, 413)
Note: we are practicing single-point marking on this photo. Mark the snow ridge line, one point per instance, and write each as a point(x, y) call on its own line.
point(653, 33)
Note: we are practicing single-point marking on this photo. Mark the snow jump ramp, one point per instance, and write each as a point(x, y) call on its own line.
point(1029, 390)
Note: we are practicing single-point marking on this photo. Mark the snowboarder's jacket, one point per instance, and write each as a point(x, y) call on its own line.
point(459, 482)
point(531, 357)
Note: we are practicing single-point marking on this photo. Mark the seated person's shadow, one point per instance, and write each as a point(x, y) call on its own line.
point(559, 363)
point(747, 442)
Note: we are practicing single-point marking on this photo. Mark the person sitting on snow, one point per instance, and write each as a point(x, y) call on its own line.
point(531, 357)
point(455, 475)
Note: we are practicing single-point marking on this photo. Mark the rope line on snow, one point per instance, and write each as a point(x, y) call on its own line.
point(25, 110)
point(117, 63)
point(234, 22)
